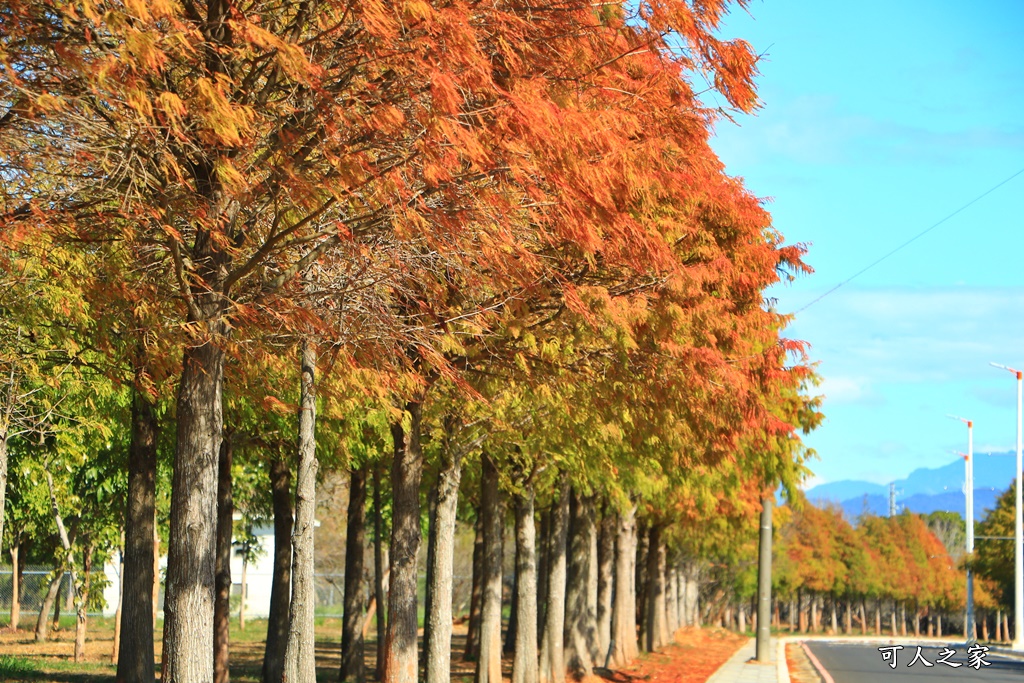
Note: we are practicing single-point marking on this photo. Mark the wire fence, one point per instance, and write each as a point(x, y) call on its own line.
point(34, 583)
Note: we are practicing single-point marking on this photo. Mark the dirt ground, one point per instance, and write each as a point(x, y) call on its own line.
point(696, 654)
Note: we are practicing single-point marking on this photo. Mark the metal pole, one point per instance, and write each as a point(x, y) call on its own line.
point(970, 529)
point(1018, 574)
point(764, 583)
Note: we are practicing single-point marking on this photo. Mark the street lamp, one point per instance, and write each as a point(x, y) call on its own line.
point(1018, 549)
point(969, 492)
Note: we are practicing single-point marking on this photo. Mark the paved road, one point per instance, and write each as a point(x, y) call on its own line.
point(863, 663)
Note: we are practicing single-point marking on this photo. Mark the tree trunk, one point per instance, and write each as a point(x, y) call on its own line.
point(65, 542)
point(524, 663)
point(378, 574)
point(892, 618)
point(623, 636)
point(835, 616)
point(281, 585)
point(222, 572)
point(429, 597)
point(3, 464)
point(581, 589)
point(156, 571)
point(15, 588)
point(138, 615)
point(189, 594)
point(120, 608)
point(243, 591)
point(508, 647)
point(672, 621)
point(543, 556)
point(401, 663)
point(605, 572)
point(439, 653)
point(640, 582)
point(472, 652)
point(741, 618)
point(657, 636)
point(848, 618)
point(552, 653)
point(488, 666)
point(352, 647)
point(43, 621)
point(82, 598)
point(691, 610)
point(299, 662)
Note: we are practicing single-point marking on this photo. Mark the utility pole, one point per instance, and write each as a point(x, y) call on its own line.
point(764, 582)
point(1018, 535)
point(969, 494)
point(892, 499)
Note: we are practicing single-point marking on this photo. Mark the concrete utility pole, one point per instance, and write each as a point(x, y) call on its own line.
point(764, 582)
point(892, 499)
point(1018, 535)
point(969, 493)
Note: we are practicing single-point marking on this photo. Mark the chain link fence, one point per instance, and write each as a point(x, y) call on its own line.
point(35, 582)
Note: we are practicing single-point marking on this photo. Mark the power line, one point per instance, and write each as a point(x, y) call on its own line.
point(910, 241)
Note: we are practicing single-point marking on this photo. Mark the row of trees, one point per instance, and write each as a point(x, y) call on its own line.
point(881, 575)
point(459, 242)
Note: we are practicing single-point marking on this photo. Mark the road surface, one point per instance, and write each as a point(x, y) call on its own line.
point(863, 663)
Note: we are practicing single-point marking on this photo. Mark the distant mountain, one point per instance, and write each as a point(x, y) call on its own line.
point(925, 490)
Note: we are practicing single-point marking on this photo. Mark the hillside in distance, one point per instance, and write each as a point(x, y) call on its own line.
point(925, 490)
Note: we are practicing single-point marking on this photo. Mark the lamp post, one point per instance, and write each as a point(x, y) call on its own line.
point(1018, 535)
point(969, 493)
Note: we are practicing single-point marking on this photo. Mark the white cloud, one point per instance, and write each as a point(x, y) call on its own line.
point(845, 389)
point(866, 336)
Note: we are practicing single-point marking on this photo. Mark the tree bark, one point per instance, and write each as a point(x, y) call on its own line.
point(43, 621)
point(65, 542)
point(671, 617)
point(440, 615)
point(3, 468)
point(508, 648)
point(657, 627)
point(222, 604)
point(378, 574)
point(640, 582)
point(691, 588)
point(472, 652)
point(581, 645)
point(82, 597)
point(401, 663)
point(488, 666)
point(552, 649)
point(299, 662)
point(15, 588)
point(429, 597)
point(524, 662)
point(120, 608)
point(135, 654)
point(189, 596)
point(605, 571)
point(352, 646)
point(624, 649)
point(281, 585)
point(544, 551)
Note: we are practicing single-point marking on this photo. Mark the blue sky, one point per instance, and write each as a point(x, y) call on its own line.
point(878, 120)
